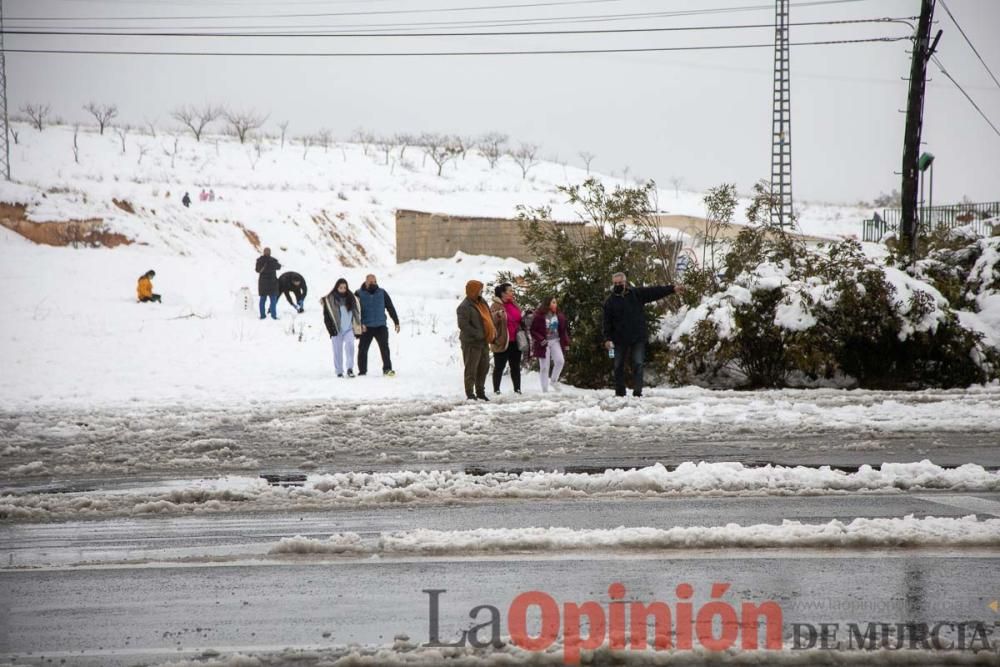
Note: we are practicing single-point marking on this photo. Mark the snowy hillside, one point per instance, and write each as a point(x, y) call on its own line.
point(333, 204)
point(73, 332)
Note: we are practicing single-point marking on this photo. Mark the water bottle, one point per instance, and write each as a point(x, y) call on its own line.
point(611, 351)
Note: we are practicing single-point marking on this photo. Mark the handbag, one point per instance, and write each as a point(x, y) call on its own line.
point(357, 327)
point(523, 343)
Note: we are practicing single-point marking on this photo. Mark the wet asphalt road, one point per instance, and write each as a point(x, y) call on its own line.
point(131, 591)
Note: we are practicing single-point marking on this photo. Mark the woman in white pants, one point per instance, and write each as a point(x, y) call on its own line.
point(551, 340)
point(342, 317)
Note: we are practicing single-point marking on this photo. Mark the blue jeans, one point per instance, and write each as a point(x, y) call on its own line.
point(637, 353)
point(274, 305)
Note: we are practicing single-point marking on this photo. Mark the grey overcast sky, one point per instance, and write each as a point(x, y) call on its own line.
point(703, 116)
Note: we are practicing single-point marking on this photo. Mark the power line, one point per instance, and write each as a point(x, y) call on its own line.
point(967, 96)
point(88, 33)
point(717, 47)
point(397, 12)
point(969, 42)
point(478, 23)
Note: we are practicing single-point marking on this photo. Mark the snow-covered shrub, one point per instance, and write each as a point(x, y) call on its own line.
point(784, 315)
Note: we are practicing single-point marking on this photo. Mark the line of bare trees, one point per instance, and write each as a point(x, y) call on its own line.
point(246, 124)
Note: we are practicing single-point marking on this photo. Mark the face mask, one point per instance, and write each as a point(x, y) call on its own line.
point(618, 289)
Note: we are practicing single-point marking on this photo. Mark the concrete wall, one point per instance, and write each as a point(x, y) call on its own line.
point(421, 235)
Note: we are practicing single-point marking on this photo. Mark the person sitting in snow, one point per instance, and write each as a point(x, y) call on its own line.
point(290, 283)
point(144, 290)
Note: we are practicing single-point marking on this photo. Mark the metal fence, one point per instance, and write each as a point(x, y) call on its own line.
point(982, 217)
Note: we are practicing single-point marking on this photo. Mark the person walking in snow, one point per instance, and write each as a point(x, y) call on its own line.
point(550, 338)
point(267, 283)
point(375, 302)
point(625, 327)
point(342, 318)
point(211, 195)
point(290, 283)
point(144, 290)
point(186, 200)
point(507, 321)
point(475, 332)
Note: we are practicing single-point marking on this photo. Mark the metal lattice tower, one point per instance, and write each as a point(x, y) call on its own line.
point(781, 122)
point(5, 138)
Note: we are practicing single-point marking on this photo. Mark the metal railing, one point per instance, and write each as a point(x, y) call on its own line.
point(982, 217)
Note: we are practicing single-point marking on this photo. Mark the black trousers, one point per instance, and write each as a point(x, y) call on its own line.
point(155, 298)
point(512, 357)
point(636, 353)
point(381, 336)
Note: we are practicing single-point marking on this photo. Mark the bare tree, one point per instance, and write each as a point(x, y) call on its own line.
point(306, 142)
point(242, 123)
point(625, 173)
point(143, 149)
point(102, 113)
point(122, 132)
point(677, 182)
point(76, 144)
point(404, 141)
point(36, 113)
point(587, 158)
point(324, 138)
point(525, 157)
point(14, 134)
point(440, 148)
point(151, 127)
point(172, 154)
point(492, 146)
point(463, 144)
point(254, 154)
point(364, 138)
point(196, 119)
point(284, 128)
point(386, 144)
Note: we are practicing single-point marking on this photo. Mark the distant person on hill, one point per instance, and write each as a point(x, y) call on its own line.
point(375, 302)
point(290, 283)
point(144, 290)
point(186, 200)
point(211, 195)
point(267, 282)
point(476, 332)
point(203, 195)
point(342, 318)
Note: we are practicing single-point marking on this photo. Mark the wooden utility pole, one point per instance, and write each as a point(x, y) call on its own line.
point(922, 51)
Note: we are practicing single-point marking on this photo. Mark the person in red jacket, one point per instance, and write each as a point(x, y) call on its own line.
point(550, 336)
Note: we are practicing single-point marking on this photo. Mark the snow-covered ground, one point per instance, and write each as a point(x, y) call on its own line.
point(73, 335)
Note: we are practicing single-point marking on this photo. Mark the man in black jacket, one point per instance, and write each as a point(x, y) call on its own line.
point(290, 283)
point(267, 282)
point(625, 327)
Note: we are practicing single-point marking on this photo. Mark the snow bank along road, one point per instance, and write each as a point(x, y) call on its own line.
point(583, 430)
point(148, 590)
